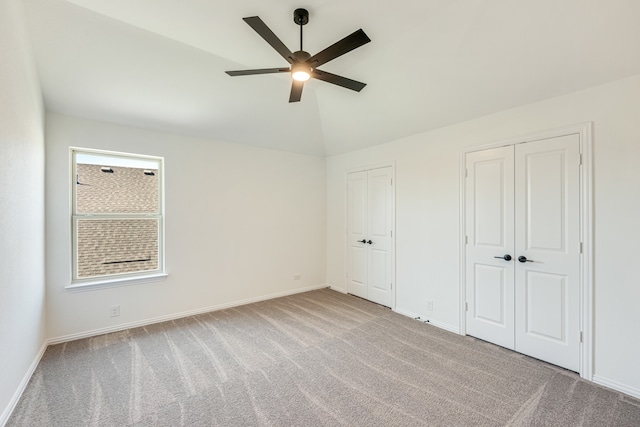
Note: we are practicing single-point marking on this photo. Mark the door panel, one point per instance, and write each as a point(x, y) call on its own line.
point(548, 291)
point(379, 269)
point(545, 204)
point(489, 199)
point(489, 293)
point(547, 183)
point(379, 190)
point(490, 227)
point(358, 271)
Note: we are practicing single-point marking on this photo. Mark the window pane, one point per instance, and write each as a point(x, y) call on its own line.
point(115, 246)
point(103, 188)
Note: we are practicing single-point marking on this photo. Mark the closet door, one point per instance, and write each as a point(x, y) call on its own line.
point(379, 240)
point(489, 249)
point(357, 228)
point(369, 235)
point(547, 185)
point(523, 248)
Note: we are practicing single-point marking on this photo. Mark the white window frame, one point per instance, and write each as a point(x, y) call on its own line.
point(119, 278)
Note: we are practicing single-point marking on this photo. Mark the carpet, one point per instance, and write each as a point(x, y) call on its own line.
point(319, 358)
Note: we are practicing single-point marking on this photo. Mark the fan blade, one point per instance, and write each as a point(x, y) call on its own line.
point(261, 28)
point(347, 44)
point(338, 80)
point(296, 91)
point(260, 71)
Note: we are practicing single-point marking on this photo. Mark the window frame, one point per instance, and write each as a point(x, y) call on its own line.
point(116, 279)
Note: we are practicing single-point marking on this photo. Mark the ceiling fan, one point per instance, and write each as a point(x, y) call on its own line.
point(303, 66)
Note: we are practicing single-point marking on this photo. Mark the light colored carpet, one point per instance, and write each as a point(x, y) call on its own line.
point(314, 359)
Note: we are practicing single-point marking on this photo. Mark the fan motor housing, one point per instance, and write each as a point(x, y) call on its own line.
point(301, 56)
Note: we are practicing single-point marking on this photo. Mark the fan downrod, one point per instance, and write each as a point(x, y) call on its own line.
point(301, 16)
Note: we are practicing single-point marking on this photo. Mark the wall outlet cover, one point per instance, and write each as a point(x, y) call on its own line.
point(115, 310)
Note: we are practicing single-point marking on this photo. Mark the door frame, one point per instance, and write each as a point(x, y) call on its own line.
point(345, 245)
point(584, 131)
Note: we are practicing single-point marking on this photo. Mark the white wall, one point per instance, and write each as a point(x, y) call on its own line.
point(240, 222)
point(22, 289)
point(427, 214)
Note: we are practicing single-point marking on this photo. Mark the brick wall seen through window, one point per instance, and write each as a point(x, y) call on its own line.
point(117, 216)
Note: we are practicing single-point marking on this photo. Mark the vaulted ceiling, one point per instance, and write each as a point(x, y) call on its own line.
point(160, 64)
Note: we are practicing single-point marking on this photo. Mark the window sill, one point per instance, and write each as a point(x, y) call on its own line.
point(113, 282)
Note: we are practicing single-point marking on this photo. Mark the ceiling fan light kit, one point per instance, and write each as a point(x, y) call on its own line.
point(301, 72)
point(303, 66)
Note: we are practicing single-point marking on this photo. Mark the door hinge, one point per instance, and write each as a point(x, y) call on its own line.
point(581, 159)
point(581, 247)
point(581, 336)
point(466, 172)
point(466, 240)
point(466, 306)
point(392, 286)
point(391, 181)
point(391, 233)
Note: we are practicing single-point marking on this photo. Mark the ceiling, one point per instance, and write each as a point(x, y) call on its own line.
point(159, 64)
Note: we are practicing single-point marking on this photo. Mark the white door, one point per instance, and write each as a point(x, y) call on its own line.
point(379, 240)
point(490, 242)
point(523, 201)
point(357, 254)
point(369, 234)
point(548, 235)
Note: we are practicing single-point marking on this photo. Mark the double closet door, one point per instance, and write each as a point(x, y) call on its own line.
point(370, 235)
point(522, 215)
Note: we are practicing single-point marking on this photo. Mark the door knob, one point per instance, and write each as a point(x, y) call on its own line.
point(524, 259)
point(370, 242)
point(506, 257)
point(362, 241)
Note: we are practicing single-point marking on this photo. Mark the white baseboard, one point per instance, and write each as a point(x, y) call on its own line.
point(631, 391)
point(338, 288)
point(406, 313)
point(23, 385)
point(445, 326)
point(124, 326)
point(435, 323)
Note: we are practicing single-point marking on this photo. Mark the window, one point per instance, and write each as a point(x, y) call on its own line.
point(117, 215)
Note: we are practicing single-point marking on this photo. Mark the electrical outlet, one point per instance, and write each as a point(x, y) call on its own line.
point(296, 277)
point(115, 310)
point(429, 305)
